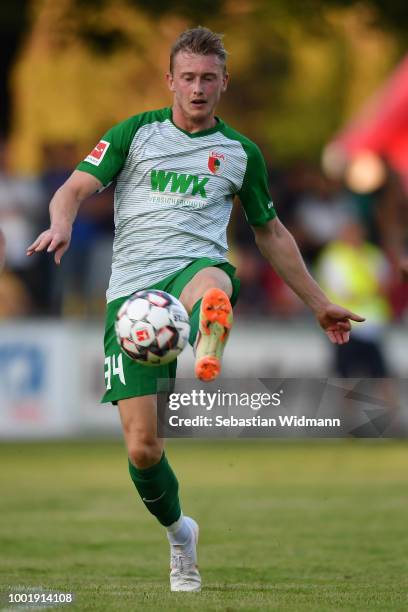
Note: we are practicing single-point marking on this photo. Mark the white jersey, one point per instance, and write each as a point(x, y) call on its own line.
point(173, 195)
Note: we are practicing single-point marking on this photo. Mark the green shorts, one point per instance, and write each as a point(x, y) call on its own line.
point(126, 378)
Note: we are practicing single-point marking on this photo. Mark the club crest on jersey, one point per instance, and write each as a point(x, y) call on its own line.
point(98, 153)
point(215, 162)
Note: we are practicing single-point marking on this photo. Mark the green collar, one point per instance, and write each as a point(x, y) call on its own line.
point(212, 130)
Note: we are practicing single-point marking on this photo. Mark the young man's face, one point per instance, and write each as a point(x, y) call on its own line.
point(197, 83)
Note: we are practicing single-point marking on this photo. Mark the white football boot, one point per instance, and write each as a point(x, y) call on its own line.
point(184, 574)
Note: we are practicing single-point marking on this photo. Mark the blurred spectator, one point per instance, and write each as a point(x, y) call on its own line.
point(78, 285)
point(59, 160)
point(253, 299)
point(356, 274)
point(380, 199)
point(262, 292)
point(382, 206)
point(85, 268)
point(319, 213)
point(20, 202)
point(288, 187)
point(14, 298)
point(2, 250)
point(282, 301)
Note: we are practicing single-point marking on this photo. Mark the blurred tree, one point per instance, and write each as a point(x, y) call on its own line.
point(192, 11)
point(299, 67)
point(307, 70)
point(389, 15)
point(13, 23)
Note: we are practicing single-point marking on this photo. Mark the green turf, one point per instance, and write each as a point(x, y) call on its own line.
point(284, 526)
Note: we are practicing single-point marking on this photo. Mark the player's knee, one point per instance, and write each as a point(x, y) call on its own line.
point(207, 278)
point(145, 454)
point(214, 277)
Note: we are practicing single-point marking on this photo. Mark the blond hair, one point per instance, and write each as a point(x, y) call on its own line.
point(200, 41)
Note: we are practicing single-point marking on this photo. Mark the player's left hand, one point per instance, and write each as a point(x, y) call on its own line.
point(335, 320)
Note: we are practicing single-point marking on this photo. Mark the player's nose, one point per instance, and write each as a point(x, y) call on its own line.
point(198, 87)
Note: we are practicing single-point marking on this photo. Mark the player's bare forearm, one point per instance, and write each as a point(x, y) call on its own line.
point(67, 199)
point(278, 246)
point(63, 209)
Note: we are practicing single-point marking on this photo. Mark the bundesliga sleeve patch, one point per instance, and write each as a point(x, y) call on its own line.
point(98, 153)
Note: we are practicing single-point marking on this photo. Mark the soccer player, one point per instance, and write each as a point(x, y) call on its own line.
point(177, 171)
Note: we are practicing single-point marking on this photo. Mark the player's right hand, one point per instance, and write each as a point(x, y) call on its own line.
point(55, 240)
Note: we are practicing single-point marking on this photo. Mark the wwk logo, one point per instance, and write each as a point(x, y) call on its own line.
point(178, 183)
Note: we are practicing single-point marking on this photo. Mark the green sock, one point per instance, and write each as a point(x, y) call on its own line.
point(158, 488)
point(194, 322)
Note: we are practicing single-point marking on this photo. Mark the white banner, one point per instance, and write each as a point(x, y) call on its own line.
point(52, 372)
point(37, 380)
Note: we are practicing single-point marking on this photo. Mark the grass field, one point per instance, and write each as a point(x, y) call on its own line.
point(284, 526)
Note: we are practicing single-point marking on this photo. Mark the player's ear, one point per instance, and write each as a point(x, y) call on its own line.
point(225, 81)
point(170, 81)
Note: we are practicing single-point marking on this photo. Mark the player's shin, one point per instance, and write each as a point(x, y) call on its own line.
point(158, 488)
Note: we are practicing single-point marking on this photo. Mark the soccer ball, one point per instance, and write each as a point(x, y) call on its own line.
point(152, 327)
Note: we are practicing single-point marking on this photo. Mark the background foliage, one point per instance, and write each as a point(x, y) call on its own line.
point(299, 68)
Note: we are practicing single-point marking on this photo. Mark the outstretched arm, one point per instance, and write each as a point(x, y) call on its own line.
point(63, 210)
point(278, 246)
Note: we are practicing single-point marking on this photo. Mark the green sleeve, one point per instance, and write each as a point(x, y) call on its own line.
point(106, 160)
point(254, 193)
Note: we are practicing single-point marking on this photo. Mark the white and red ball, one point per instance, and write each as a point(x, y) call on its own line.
point(152, 327)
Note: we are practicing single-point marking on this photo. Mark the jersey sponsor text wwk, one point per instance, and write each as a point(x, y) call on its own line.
point(160, 180)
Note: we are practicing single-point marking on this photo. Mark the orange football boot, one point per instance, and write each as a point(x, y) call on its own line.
point(215, 324)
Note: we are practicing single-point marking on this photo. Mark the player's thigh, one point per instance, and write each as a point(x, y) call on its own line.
point(139, 423)
point(207, 278)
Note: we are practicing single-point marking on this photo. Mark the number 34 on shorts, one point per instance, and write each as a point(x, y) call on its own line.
point(114, 367)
